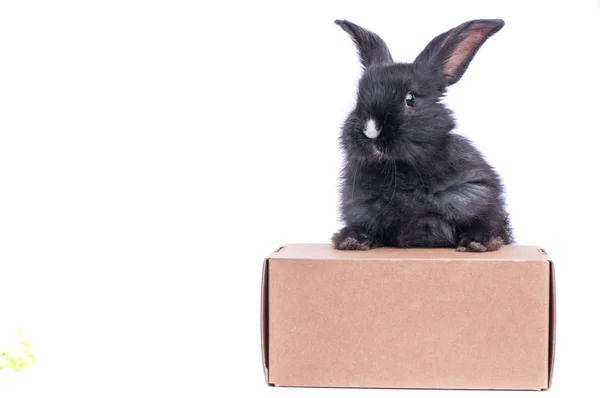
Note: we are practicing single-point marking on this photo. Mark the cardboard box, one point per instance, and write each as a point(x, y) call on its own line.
point(408, 318)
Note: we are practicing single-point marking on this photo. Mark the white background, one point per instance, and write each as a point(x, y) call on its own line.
point(152, 153)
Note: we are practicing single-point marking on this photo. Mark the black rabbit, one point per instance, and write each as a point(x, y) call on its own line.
point(408, 181)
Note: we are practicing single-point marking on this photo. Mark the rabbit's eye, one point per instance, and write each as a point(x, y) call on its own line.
point(410, 99)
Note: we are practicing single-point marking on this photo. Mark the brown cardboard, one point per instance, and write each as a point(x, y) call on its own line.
point(408, 318)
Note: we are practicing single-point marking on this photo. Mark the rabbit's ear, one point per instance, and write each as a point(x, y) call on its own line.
point(450, 53)
point(371, 48)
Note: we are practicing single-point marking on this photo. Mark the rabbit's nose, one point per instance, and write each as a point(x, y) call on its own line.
point(371, 129)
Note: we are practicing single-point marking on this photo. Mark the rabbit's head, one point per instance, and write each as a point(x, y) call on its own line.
point(399, 114)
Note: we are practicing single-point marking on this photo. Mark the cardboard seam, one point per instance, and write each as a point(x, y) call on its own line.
point(265, 319)
point(552, 326)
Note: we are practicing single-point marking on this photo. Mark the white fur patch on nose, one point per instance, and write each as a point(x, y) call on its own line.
point(371, 129)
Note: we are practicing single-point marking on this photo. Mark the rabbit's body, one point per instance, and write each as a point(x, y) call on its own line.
point(394, 203)
point(408, 181)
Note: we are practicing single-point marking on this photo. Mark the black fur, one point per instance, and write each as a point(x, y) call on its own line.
point(417, 184)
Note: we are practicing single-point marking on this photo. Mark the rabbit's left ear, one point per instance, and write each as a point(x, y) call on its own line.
point(450, 53)
point(371, 48)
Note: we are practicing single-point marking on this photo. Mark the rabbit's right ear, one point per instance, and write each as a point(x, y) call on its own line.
point(450, 53)
point(371, 48)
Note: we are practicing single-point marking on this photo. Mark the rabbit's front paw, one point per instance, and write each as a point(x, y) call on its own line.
point(353, 239)
point(479, 243)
